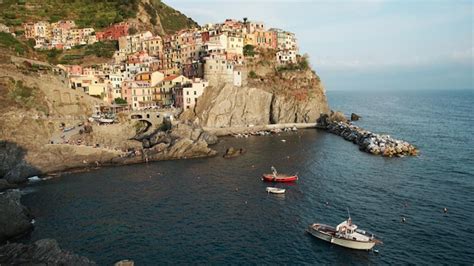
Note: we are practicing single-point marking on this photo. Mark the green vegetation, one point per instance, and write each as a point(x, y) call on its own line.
point(249, 50)
point(152, 13)
point(86, 13)
point(119, 101)
point(102, 49)
point(91, 13)
point(26, 97)
point(252, 74)
point(9, 42)
point(171, 19)
point(301, 65)
point(77, 54)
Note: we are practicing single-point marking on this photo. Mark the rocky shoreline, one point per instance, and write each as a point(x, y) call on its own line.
point(376, 144)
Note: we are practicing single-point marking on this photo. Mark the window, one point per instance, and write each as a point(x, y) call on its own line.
point(195, 93)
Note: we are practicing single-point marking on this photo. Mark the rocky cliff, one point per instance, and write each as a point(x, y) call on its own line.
point(35, 104)
point(271, 97)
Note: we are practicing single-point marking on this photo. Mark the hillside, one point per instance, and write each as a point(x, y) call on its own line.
point(151, 15)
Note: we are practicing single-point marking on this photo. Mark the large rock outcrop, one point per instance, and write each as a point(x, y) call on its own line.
point(227, 106)
point(278, 97)
point(42, 252)
point(15, 219)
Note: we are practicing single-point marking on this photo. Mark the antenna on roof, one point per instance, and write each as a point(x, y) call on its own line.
point(348, 213)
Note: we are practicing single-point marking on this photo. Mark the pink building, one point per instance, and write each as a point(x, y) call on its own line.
point(127, 92)
point(74, 69)
point(266, 39)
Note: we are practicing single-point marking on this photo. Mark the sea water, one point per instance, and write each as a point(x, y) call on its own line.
point(216, 210)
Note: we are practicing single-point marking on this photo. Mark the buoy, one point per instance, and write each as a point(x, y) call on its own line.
point(327, 203)
point(445, 210)
point(403, 219)
point(245, 202)
point(376, 251)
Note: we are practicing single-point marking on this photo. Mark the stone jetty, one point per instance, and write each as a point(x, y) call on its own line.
point(377, 144)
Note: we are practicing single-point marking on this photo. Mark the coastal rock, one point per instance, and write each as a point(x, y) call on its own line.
point(231, 106)
point(42, 252)
point(4, 185)
point(228, 106)
point(355, 117)
point(15, 219)
point(367, 141)
point(337, 117)
point(233, 152)
point(209, 138)
point(20, 173)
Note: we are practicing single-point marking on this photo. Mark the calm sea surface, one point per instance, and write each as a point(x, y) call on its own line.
point(217, 211)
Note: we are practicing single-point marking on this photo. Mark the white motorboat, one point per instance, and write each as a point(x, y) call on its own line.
point(275, 190)
point(346, 234)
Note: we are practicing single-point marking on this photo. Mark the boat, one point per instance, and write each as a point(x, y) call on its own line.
point(275, 190)
point(67, 129)
point(346, 234)
point(105, 121)
point(276, 177)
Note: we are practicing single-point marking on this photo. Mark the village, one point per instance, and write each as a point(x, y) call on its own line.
point(151, 72)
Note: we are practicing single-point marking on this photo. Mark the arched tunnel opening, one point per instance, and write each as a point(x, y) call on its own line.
point(142, 126)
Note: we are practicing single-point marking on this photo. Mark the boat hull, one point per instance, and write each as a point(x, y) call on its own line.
point(327, 233)
point(279, 178)
point(352, 244)
point(319, 235)
point(275, 190)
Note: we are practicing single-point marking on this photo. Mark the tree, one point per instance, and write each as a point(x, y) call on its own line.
point(119, 101)
point(249, 50)
point(252, 74)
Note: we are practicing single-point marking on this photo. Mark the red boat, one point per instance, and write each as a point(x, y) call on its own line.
point(276, 177)
point(279, 178)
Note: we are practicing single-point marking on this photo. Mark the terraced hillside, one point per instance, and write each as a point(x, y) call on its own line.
point(151, 14)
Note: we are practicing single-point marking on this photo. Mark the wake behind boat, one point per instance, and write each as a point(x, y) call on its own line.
point(346, 234)
point(276, 177)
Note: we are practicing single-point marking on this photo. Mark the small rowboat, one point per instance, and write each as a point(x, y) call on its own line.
point(275, 190)
point(279, 178)
point(276, 177)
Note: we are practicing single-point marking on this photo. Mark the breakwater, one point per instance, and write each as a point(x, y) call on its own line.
point(377, 144)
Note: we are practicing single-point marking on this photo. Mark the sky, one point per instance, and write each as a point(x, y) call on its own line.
point(366, 44)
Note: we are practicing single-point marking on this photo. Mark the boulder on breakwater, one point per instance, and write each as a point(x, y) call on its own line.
point(367, 141)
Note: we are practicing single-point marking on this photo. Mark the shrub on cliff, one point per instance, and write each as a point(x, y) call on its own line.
point(26, 97)
point(8, 41)
point(249, 50)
